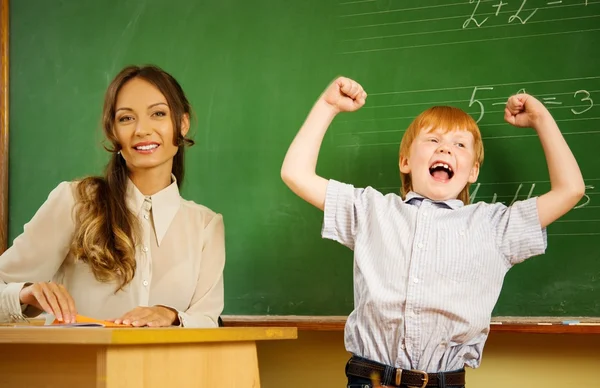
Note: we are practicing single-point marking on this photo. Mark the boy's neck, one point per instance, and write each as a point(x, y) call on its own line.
point(431, 199)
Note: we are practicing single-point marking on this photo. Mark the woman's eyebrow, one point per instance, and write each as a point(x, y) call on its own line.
point(149, 106)
point(158, 103)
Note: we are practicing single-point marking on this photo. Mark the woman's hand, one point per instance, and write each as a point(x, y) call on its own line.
point(50, 297)
point(155, 316)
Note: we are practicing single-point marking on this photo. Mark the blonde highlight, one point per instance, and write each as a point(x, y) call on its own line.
point(106, 230)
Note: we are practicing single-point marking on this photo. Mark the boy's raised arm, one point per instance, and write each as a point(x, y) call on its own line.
point(299, 166)
point(566, 183)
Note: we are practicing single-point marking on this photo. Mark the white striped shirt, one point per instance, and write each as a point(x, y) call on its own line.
point(427, 274)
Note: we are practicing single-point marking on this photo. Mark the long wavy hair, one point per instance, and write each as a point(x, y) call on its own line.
point(106, 230)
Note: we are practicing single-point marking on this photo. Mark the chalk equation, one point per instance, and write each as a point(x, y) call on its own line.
point(581, 96)
point(521, 15)
point(584, 202)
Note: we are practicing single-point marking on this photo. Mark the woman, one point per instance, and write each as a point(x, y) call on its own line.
point(124, 247)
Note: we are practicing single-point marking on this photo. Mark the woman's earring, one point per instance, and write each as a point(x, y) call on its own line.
point(119, 152)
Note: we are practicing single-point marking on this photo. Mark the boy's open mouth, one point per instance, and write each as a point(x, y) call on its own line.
point(441, 171)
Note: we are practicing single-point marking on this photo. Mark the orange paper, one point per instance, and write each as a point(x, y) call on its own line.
point(81, 321)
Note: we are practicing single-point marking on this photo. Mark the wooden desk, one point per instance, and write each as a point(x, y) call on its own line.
point(145, 357)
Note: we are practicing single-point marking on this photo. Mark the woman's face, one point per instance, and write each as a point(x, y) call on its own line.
point(143, 127)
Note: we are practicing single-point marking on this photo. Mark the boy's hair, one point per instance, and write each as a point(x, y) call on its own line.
point(448, 119)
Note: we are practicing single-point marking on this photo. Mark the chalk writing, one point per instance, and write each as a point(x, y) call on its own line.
point(517, 17)
point(586, 98)
point(499, 7)
point(580, 96)
point(473, 100)
point(521, 15)
point(472, 17)
point(550, 101)
point(586, 197)
point(585, 201)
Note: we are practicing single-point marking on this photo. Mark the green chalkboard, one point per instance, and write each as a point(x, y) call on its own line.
point(253, 69)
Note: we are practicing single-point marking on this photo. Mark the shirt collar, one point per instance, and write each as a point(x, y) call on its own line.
point(414, 198)
point(165, 205)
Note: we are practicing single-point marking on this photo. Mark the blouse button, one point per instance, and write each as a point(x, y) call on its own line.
point(145, 283)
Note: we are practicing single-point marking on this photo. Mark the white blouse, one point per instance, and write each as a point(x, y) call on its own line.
point(180, 259)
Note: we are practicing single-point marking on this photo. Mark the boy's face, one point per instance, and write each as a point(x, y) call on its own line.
point(441, 164)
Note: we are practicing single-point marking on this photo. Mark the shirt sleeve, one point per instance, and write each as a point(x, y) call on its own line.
point(345, 207)
point(208, 300)
point(519, 234)
point(38, 252)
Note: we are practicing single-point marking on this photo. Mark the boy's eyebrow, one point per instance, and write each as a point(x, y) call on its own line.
point(149, 106)
point(461, 136)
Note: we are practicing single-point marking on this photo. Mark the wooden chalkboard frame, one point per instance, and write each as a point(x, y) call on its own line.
point(4, 113)
point(551, 325)
point(539, 325)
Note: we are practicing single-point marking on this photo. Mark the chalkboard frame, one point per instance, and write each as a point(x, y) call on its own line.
point(545, 325)
point(4, 113)
point(539, 325)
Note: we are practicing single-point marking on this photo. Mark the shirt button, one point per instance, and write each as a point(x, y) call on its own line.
point(145, 249)
point(402, 347)
point(425, 214)
point(146, 216)
point(416, 280)
point(462, 232)
point(145, 283)
point(420, 245)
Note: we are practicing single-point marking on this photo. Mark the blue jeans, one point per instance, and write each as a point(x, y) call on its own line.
point(359, 382)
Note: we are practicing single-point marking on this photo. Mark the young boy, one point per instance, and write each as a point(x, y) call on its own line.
point(428, 267)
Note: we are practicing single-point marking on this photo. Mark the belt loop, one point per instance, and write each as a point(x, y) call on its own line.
point(441, 380)
point(387, 375)
point(347, 365)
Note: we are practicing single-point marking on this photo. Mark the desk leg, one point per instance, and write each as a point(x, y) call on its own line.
point(221, 364)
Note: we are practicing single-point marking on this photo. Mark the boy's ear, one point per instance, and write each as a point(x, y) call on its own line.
point(403, 164)
point(185, 124)
point(474, 173)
